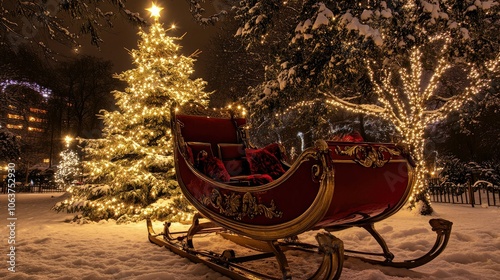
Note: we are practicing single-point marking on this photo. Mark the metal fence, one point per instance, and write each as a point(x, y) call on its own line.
point(479, 193)
point(35, 188)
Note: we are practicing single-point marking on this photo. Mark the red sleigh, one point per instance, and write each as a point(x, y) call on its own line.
point(331, 186)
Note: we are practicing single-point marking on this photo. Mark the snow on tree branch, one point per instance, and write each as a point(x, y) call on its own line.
point(27, 22)
point(197, 10)
point(256, 18)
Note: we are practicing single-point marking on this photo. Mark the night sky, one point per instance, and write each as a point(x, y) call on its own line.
point(124, 36)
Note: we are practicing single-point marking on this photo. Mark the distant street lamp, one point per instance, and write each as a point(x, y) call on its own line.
point(435, 172)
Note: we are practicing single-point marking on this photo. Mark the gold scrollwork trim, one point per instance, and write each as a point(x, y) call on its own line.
point(316, 173)
point(234, 206)
point(368, 156)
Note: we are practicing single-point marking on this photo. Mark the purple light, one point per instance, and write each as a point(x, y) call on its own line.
point(45, 92)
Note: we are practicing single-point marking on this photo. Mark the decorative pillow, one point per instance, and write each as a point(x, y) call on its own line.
point(234, 167)
point(189, 153)
point(232, 155)
point(262, 161)
point(348, 137)
point(277, 150)
point(212, 167)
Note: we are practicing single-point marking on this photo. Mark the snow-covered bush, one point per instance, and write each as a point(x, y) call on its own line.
point(10, 146)
point(459, 172)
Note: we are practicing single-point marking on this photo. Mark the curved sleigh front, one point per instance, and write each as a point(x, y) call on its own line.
point(330, 186)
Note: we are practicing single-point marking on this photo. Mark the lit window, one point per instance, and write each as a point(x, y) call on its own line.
point(12, 116)
point(35, 129)
point(14, 126)
point(46, 160)
point(33, 119)
point(36, 110)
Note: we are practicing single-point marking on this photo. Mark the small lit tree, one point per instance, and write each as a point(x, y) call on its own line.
point(69, 167)
point(130, 173)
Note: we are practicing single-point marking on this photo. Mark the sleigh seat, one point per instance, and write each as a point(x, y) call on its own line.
point(227, 157)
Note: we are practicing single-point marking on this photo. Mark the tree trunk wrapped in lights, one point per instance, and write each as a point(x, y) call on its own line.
point(130, 173)
point(412, 104)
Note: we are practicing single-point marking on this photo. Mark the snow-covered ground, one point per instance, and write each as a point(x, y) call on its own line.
point(49, 247)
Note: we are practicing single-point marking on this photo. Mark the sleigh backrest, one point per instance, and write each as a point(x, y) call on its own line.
point(220, 133)
point(203, 129)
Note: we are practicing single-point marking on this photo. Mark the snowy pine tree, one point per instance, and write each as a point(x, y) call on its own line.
point(130, 173)
point(10, 145)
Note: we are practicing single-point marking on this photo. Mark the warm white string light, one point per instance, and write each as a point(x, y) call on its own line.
point(410, 115)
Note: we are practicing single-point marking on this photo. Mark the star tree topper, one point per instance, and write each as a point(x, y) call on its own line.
point(155, 11)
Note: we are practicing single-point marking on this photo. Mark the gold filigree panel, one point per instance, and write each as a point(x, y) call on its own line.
point(237, 207)
point(369, 156)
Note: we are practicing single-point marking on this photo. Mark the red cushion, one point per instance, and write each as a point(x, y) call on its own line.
point(277, 150)
point(197, 147)
point(232, 156)
point(234, 167)
point(262, 161)
point(189, 153)
point(212, 167)
point(231, 151)
point(349, 137)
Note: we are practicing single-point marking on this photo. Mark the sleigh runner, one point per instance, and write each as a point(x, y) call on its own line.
point(255, 199)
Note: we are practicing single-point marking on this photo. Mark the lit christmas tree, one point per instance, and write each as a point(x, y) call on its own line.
point(130, 173)
point(69, 167)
